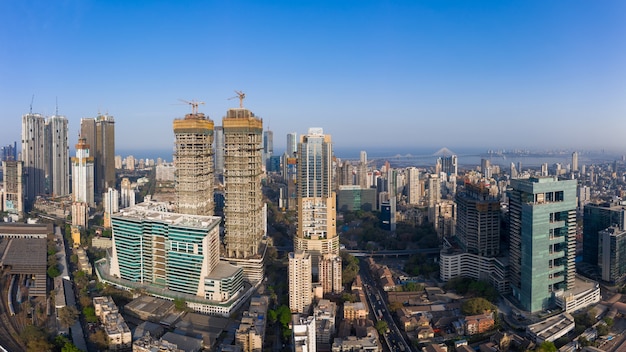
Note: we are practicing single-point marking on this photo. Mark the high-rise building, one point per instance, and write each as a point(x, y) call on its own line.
point(9, 152)
point(574, 161)
point(99, 133)
point(613, 254)
point(300, 285)
point(128, 193)
point(292, 144)
point(268, 147)
point(57, 150)
point(329, 268)
point(542, 213)
point(316, 231)
point(597, 217)
point(304, 333)
point(244, 211)
point(478, 220)
point(111, 205)
point(218, 133)
point(83, 174)
point(447, 165)
point(33, 156)
point(13, 186)
point(193, 158)
point(413, 186)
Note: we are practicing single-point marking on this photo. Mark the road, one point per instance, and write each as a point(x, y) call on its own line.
point(394, 339)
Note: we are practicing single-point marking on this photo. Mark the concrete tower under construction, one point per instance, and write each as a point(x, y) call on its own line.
point(244, 211)
point(193, 157)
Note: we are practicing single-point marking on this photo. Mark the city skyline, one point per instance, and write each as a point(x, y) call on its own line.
point(393, 73)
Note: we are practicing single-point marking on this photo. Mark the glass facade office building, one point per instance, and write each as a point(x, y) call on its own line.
point(173, 251)
point(542, 215)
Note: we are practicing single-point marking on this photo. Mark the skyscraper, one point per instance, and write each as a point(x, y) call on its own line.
point(300, 286)
point(598, 217)
point(268, 147)
point(99, 133)
point(57, 150)
point(316, 231)
point(542, 214)
point(111, 205)
point(413, 186)
point(574, 161)
point(127, 194)
point(83, 174)
point(448, 165)
point(13, 186)
point(244, 211)
point(33, 156)
point(193, 158)
point(292, 144)
point(478, 220)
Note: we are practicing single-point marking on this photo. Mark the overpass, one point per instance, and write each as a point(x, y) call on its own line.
point(393, 253)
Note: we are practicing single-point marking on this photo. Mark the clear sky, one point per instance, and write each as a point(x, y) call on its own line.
point(374, 74)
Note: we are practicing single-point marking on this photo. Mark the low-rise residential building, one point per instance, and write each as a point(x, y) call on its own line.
point(118, 333)
point(325, 313)
point(303, 333)
point(478, 324)
point(354, 311)
point(353, 343)
point(251, 332)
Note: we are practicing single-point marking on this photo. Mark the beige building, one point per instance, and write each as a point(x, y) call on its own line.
point(300, 286)
point(13, 186)
point(330, 278)
point(244, 211)
point(193, 160)
point(115, 327)
point(317, 233)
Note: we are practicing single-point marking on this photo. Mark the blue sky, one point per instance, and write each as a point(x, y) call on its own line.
point(409, 75)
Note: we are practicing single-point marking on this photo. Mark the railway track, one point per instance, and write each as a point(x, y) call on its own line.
point(9, 338)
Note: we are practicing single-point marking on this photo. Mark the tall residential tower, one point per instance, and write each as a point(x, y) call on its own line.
point(33, 156)
point(193, 157)
point(57, 150)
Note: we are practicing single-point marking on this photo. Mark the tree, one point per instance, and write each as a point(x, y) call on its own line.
point(100, 339)
point(53, 271)
point(180, 304)
point(602, 330)
point(547, 346)
point(381, 326)
point(476, 305)
point(67, 316)
point(70, 347)
point(583, 342)
point(272, 316)
point(284, 316)
point(609, 321)
point(90, 314)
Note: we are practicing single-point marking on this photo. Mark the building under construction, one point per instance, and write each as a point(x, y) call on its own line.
point(244, 211)
point(193, 158)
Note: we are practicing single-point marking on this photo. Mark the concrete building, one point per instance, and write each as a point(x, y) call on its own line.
point(127, 198)
point(316, 231)
point(478, 220)
point(448, 165)
point(116, 329)
point(111, 205)
point(574, 161)
point(303, 333)
point(251, 332)
point(413, 186)
point(542, 214)
point(57, 150)
point(300, 285)
point(325, 313)
point(193, 159)
point(244, 211)
point(80, 214)
point(329, 270)
point(83, 174)
point(462, 264)
point(33, 156)
point(353, 198)
point(13, 188)
point(551, 329)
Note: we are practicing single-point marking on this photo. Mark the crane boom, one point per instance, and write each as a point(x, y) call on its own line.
point(241, 96)
point(194, 105)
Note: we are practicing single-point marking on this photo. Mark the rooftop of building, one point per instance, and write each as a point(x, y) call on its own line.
point(581, 285)
point(156, 211)
point(547, 328)
point(24, 255)
point(11, 228)
point(223, 270)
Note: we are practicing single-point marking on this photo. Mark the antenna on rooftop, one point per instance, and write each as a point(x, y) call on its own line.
point(31, 103)
point(57, 106)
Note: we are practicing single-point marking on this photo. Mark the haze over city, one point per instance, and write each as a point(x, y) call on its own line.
point(406, 75)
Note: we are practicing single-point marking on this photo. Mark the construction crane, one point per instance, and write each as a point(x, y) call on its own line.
point(241, 95)
point(194, 105)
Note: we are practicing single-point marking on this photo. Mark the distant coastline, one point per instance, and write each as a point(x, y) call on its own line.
point(425, 157)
